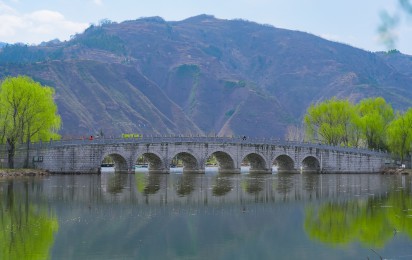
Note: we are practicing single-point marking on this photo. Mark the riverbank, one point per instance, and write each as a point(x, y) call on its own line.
point(397, 171)
point(22, 172)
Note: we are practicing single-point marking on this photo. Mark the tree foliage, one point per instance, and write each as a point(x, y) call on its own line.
point(339, 122)
point(375, 115)
point(26, 230)
point(27, 113)
point(331, 121)
point(368, 222)
point(400, 134)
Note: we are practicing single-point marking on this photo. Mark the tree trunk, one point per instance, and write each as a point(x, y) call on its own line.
point(26, 161)
point(11, 150)
point(10, 195)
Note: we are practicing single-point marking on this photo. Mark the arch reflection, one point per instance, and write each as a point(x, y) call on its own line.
point(185, 185)
point(284, 183)
point(222, 185)
point(116, 182)
point(254, 184)
point(147, 184)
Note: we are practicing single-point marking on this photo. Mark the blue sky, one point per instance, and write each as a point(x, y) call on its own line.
point(354, 22)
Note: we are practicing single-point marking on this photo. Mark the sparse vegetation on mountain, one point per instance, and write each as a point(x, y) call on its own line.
point(202, 75)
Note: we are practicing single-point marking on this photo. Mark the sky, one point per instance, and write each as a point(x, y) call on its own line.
point(354, 22)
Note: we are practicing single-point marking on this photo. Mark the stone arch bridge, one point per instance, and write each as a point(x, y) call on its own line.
point(86, 156)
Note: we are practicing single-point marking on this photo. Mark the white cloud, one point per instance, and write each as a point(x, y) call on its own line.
point(35, 27)
point(45, 16)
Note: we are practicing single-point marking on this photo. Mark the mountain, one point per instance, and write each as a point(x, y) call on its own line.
point(202, 75)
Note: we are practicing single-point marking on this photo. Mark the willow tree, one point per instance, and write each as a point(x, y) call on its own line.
point(27, 113)
point(27, 230)
point(399, 134)
point(375, 116)
point(331, 121)
point(342, 223)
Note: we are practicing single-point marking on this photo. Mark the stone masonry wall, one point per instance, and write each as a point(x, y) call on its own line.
point(87, 158)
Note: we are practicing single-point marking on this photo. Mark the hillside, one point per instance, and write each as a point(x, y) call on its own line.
point(202, 75)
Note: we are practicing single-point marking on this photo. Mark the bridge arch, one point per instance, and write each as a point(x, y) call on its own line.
point(190, 163)
point(310, 164)
point(225, 161)
point(284, 163)
point(120, 163)
point(155, 163)
point(257, 162)
point(86, 157)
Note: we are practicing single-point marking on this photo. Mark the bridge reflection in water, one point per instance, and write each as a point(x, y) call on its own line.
point(211, 188)
point(226, 216)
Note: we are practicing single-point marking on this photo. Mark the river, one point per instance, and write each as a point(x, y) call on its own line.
point(206, 216)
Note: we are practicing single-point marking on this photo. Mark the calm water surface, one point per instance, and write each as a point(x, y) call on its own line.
point(210, 216)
